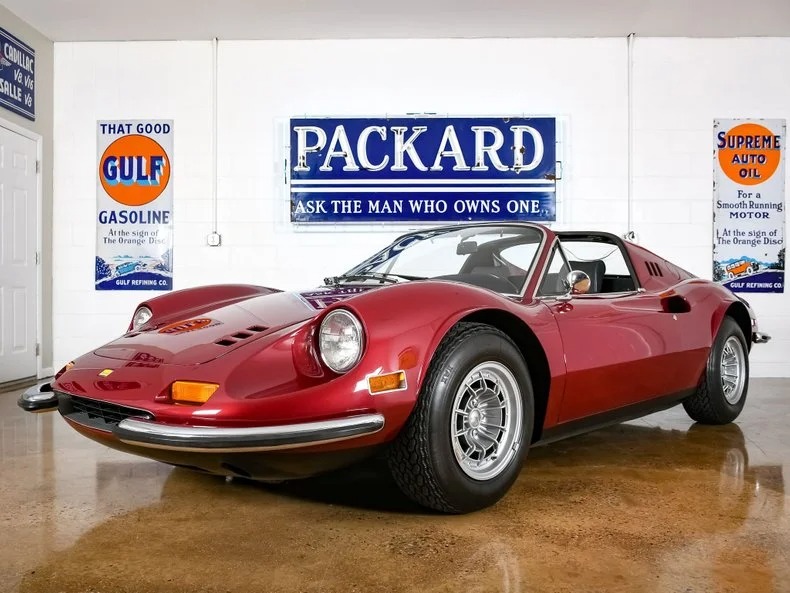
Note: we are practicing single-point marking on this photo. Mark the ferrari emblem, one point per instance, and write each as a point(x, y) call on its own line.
point(105, 373)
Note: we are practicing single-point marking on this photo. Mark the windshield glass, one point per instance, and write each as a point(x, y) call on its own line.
point(495, 257)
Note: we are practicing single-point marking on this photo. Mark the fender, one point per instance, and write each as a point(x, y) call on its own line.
point(435, 307)
point(741, 312)
point(186, 303)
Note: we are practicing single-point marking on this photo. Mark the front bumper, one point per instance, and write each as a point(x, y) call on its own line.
point(141, 431)
point(760, 338)
point(39, 398)
point(196, 439)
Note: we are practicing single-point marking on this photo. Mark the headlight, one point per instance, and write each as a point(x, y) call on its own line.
point(340, 340)
point(141, 317)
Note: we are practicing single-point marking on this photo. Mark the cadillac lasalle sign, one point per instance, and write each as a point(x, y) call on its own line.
point(427, 168)
point(749, 201)
point(17, 76)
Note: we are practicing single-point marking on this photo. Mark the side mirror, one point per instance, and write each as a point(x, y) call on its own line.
point(576, 282)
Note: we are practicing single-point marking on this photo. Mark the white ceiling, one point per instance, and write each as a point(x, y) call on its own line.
point(90, 20)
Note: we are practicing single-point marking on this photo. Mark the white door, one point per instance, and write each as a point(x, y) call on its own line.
point(18, 186)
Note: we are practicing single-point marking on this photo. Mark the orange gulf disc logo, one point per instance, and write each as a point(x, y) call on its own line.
point(749, 154)
point(189, 325)
point(134, 170)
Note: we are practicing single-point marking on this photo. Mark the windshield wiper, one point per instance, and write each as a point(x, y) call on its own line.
point(384, 277)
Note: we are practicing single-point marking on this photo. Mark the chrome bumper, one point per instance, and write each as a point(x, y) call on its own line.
point(760, 338)
point(144, 433)
point(39, 398)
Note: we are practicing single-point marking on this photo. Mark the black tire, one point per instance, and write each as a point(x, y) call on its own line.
point(422, 459)
point(709, 404)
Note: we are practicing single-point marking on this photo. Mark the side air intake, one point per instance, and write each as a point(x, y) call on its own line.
point(653, 269)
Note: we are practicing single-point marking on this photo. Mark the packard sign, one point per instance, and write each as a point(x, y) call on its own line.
point(433, 169)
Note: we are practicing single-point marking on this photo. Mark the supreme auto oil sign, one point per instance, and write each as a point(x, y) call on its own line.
point(134, 220)
point(749, 204)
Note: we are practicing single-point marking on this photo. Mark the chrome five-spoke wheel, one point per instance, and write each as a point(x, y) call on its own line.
point(721, 392)
point(733, 361)
point(471, 427)
point(486, 420)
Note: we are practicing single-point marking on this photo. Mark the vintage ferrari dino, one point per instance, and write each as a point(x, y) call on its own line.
point(452, 351)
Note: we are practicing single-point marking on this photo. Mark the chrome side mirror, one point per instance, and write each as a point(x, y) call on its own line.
point(576, 282)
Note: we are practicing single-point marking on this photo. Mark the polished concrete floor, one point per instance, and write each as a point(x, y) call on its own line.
point(658, 505)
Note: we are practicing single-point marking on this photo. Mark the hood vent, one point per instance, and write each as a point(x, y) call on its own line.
point(242, 335)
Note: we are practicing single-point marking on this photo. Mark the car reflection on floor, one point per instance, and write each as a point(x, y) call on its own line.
point(657, 505)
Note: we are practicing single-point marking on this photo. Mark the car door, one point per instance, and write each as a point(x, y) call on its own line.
point(620, 348)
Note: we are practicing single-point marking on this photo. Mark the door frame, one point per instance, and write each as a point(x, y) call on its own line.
point(41, 372)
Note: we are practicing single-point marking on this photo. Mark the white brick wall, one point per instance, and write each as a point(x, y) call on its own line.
point(102, 81)
point(678, 91)
point(680, 87)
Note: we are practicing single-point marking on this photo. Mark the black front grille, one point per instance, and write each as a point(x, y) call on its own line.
point(97, 414)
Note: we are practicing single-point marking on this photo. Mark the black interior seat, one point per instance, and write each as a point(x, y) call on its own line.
point(552, 285)
point(484, 280)
point(595, 269)
point(499, 271)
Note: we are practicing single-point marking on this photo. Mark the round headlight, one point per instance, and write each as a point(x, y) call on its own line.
point(340, 340)
point(141, 317)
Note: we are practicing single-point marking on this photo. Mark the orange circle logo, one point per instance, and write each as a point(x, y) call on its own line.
point(749, 153)
point(189, 325)
point(134, 170)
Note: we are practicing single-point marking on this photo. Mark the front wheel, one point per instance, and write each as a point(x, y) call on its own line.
point(721, 394)
point(466, 439)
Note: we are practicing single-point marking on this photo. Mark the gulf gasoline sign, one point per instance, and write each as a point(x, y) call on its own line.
point(134, 221)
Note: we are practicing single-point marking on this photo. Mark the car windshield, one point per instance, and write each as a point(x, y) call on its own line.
point(495, 257)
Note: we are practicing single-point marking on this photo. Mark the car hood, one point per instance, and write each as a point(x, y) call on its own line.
point(196, 340)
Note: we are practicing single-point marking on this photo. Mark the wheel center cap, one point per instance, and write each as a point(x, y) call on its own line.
point(474, 418)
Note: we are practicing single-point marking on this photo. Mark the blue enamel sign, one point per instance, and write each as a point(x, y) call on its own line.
point(433, 169)
point(17, 76)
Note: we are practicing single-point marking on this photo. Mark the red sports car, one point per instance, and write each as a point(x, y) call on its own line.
point(452, 350)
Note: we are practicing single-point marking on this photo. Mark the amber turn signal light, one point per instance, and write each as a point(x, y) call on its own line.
point(65, 369)
point(388, 382)
point(191, 392)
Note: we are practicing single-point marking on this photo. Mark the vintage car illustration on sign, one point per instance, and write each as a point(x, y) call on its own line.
point(452, 351)
point(741, 268)
point(127, 268)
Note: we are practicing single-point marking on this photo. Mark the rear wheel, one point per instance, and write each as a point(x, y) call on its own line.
point(466, 439)
point(721, 394)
